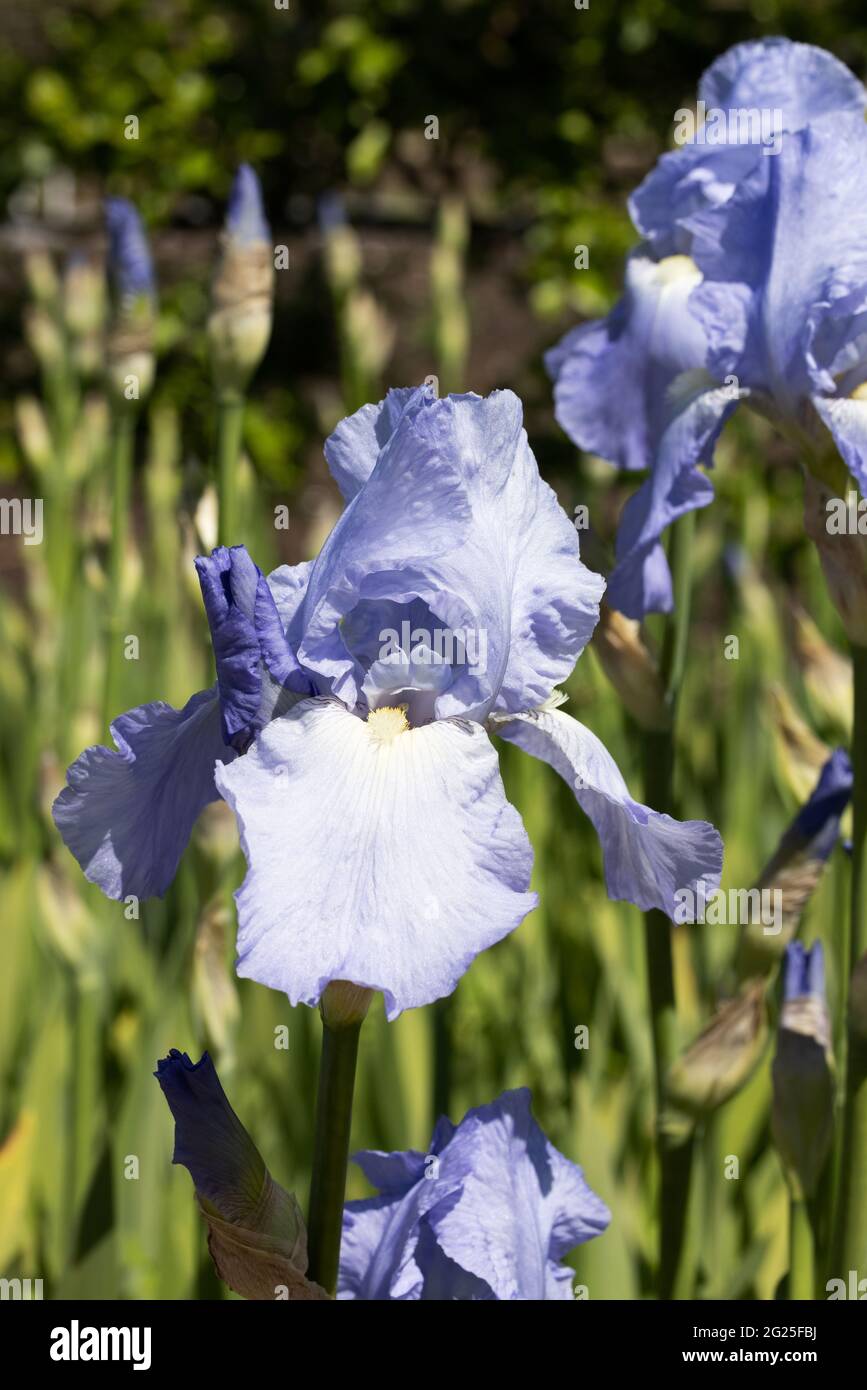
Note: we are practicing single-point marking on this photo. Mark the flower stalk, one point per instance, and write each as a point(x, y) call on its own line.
point(851, 1223)
point(343, 1010)
point(674, 1149)
point(123, 444)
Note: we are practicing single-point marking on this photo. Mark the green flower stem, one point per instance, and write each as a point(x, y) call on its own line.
point(850, 1248)
point(802, 1275)
point(331, 1151)
point(230, 431)
point(675, 1152)
point(123, 442)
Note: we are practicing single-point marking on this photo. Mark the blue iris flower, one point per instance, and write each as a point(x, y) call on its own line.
point(350, 726)
point(750, 285)
point(487, 1214)
point(129, 257)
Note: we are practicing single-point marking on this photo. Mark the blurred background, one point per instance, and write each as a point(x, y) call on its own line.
point(406, 256)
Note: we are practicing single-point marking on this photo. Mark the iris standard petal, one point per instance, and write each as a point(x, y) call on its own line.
point(648, 856)
point(276, 616)
point(490, 1217)
point(681, 204)
point(454, 515)
point(434, 864)
point(522, 1204)
point(351, 452)
point(127, 813)
point(801, 81)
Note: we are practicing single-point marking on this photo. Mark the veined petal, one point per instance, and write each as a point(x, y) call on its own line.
point(454, 515)
point(490, 1220)
point(434, 862)
point(522, 1205)
point(648, 856)
point(127, 813)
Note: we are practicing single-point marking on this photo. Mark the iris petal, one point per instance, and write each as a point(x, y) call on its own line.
point(127, 813)
point(648, 856)
point(388, 860)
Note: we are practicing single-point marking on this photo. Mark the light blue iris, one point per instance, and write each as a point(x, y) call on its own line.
point(350, 727)
point(750, 285)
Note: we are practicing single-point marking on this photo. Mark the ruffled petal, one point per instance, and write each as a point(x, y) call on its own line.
point(229, 580)
point(799, 80)
point(434, 864)
point(277, 615)
point(648, 856)
point(491, 1220)
point(691, 199)
point(353, 449)
point(454, 515)
point(522, 1204)
point(127, 813)
point(253, 636)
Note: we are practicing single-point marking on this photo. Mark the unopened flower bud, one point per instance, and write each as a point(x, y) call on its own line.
point(130, 345)
point(239, 325)
point(44, 337)
point(826, 673)
point(797, 865)
point(256, 1233)
point(84, 306)
point(34, 435)
point(842, 553)
point(344, 1004)
point(723, 1056)
point(42, 279)
point(631, 668)
point(803, 1071)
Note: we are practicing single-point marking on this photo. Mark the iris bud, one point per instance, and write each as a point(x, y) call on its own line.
point(130, 344)
point(631, 668)
point(797, 865)
point(843, 555)
point(256, 1233)
point(803, 1072)
point(723, 1056)
point(239, 325)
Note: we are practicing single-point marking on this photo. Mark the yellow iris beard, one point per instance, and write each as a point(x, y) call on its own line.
point(388, 722)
